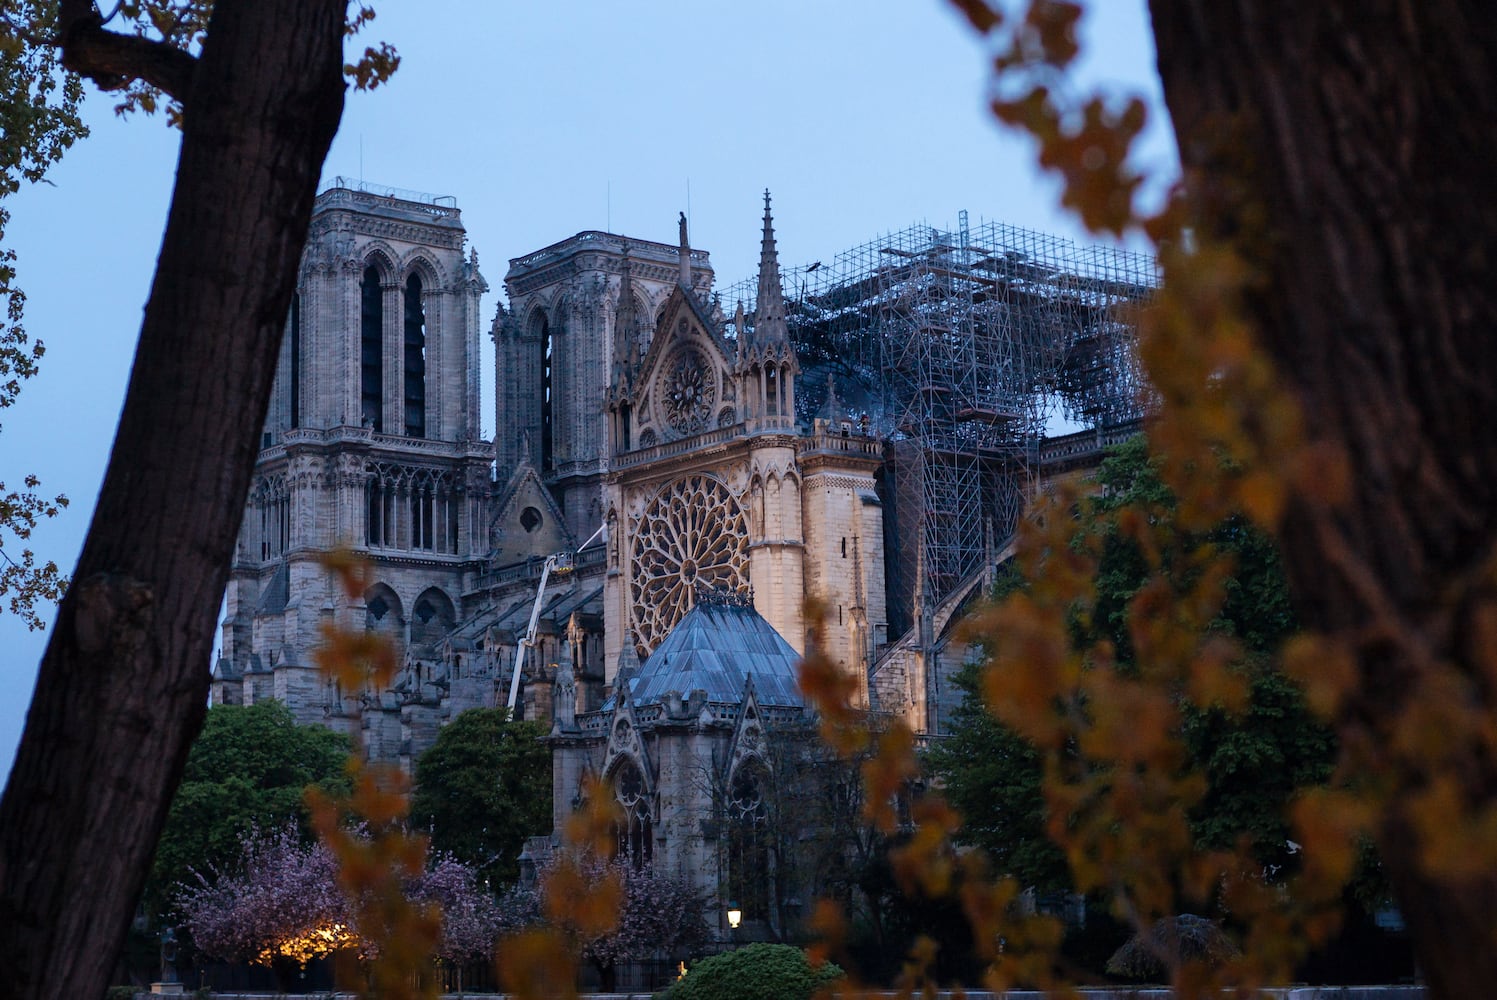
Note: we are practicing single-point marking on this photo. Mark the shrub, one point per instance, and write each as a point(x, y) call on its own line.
point(754, 972)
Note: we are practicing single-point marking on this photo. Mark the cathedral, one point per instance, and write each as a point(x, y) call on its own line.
point(632, 558)
point(626, 401)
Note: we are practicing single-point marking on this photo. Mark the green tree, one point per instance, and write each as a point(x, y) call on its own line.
point(482, 788)
point(1254, 760)
point(993, 777)
point(247, 770)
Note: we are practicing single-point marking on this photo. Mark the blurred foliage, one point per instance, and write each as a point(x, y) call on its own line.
point(1253, 761)
point(366, 830)
point(482, 788)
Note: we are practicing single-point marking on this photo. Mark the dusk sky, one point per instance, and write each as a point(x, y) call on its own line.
point(542, 120)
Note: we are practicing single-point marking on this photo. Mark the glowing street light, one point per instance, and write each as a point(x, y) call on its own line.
point(735, 916)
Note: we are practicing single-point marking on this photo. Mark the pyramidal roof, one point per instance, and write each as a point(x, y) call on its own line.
point(718, 646)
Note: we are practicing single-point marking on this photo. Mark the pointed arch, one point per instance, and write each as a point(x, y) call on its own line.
point(372, 346)
point(379, 256)
point(420, 261)
point(433, 616)
point(750, 861)
point(633, 832)
point(383, 610)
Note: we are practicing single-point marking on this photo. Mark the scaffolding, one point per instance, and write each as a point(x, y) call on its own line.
point(960, 346)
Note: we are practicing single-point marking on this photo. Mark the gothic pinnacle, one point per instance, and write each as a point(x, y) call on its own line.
point(769, 311)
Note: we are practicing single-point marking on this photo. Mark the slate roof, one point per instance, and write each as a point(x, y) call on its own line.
point(277, 591)
point(715, 648)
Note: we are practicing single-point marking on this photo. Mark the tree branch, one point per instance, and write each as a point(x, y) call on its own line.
point(113, 60)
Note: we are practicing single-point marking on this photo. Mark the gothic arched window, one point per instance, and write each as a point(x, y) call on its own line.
point(632, 832)
point(749, 863)
point(415, 359)
point(379, 517)
point(372, 350)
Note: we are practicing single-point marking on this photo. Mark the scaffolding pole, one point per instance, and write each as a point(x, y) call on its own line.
point(960, 345)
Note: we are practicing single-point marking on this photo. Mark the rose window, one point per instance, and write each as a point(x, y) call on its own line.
point(692, 532)
point(688, 392)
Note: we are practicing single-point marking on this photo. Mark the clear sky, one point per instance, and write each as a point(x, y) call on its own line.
point(545, 119)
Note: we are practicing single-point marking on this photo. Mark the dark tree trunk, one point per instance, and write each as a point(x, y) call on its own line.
point(1348, 147)
point(123, 685)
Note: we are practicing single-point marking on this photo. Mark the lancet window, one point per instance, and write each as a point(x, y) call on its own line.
point(411, 508)
point(632, 833)
point(547, 346)
point(750, 867)
point(270, 518)
point(415, 359)
point(294, 333)
point(372, 350)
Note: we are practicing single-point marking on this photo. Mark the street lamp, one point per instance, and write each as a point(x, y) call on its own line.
point(735, 915)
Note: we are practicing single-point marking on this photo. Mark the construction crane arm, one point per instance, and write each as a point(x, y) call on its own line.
point(559, 562)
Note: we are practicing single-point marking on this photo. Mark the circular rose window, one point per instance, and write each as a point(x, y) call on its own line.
point(688, 391)
point(693, 531)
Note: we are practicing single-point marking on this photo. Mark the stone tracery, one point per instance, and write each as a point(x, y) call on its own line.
point(692, 531)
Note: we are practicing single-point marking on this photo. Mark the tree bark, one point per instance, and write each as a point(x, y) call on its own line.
point(124, 681)
point(1347, 148)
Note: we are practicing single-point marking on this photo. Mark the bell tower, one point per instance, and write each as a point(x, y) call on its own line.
point(566, 350)
point(372, 441)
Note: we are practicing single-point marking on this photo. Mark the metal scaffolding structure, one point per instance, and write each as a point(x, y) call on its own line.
point(960, 346)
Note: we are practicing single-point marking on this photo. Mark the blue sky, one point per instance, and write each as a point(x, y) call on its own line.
point(544, 119)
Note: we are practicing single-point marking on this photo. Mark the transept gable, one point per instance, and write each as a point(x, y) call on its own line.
point(686, 375)
point(527, 521)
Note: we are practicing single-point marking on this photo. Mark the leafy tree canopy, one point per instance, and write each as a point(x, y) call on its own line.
point(247, 770)
point(1254, 759)
point(482, 788)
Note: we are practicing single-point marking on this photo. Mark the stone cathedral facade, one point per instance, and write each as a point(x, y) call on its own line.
point(625, 399)
point(643, 433)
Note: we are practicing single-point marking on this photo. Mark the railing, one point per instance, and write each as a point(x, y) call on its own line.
point(530, 570)
point(605, 241)
point(348, 434)
point(1085, 443)
point(344, 189)
point(854, 443)
point(678, 447)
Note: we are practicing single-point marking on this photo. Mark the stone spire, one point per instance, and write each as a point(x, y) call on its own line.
point(770, 331)
point(685, 279)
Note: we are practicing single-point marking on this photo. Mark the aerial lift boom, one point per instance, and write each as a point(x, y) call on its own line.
point(559, 563)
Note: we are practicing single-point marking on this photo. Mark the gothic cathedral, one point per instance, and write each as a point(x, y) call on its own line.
point(626, 400)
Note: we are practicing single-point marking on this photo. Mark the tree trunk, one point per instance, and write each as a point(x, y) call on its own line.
point(124, 681)
point(1347, 147)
